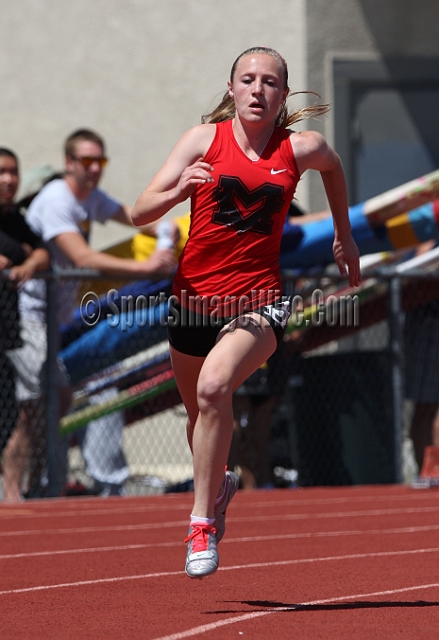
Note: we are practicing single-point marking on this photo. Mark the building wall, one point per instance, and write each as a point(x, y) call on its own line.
point(138, 71)
point(362, 29)
point(143, 71)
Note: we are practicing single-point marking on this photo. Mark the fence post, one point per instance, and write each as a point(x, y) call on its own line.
point(52, 391)
point(396, 335)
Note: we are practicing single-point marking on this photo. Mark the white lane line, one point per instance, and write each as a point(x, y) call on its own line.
point(253, 518)
point(350, 556)
point(27, 510)
point(83, 583)
point(61, 552)
point(330, 534)
point(287, 536)
point(206, 628)
point(254, 565)
point(75, 530)
point(414, 495)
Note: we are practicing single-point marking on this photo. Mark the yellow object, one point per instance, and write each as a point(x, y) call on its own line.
point(400, 232)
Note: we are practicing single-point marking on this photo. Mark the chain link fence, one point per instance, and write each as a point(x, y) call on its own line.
point(330, 407)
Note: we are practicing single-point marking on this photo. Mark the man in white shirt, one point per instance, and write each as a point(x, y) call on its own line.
point(62, 214)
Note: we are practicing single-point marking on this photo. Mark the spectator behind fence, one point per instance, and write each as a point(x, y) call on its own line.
point(62, 214)
point(422, 371)
point(240, 168)
point(23, 253)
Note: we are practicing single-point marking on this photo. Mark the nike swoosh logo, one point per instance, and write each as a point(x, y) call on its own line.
point(274, 171)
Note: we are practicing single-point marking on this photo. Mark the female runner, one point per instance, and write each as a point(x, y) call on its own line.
point(227, 314)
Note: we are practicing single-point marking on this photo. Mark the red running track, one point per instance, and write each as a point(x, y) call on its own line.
point(333, 563)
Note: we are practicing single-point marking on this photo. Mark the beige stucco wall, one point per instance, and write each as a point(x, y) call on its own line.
point(142, 71)
point(367, 28)
point(362, 29)
point(138, 71)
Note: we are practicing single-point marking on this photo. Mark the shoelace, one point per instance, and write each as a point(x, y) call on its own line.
point(200, 536)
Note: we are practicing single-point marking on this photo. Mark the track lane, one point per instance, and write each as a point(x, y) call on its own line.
point(335, 558)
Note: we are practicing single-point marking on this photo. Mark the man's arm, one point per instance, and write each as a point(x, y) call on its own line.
point(160, 264)
point(16, 251)
point(12, 249)
point(123, 215)
point(38, 260)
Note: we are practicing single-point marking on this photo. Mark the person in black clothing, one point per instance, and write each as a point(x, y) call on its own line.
point(22, 253)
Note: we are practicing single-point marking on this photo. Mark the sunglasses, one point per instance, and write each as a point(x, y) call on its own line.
point(87, 161)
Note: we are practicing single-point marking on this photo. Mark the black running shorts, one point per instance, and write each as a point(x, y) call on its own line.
point(195, 334)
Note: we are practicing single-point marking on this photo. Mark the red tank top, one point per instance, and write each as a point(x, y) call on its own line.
point(236, 226)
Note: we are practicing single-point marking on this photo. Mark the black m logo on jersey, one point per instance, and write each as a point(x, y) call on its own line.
point(246, 210)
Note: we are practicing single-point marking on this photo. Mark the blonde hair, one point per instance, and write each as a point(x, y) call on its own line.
point(226, 108)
